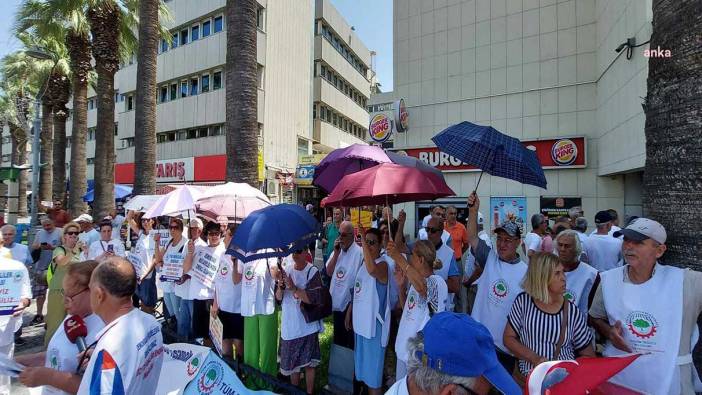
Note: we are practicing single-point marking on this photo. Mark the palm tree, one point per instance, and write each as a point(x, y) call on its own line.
point(66, 21)
point(60, 93)
point(241, 93)
point(145, 115)
point(673, 172)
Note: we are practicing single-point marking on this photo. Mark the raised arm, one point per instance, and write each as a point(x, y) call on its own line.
point(472, 228)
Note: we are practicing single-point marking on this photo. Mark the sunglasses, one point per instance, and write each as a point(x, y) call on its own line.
point(371, 242)
point(214, 234)
point(434, 230)
point(174, 227)
point(72, 233)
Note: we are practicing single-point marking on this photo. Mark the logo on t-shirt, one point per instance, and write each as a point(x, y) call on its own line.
point(53, 358)
point(569, 295)
point(224, 270)
point(193, 365)
point(500, 288)
point(212, 376)
point(642, 324)
point(17, 277)
point(411, 301)
point(249, 274)
point(340, 273)
point(357, 287)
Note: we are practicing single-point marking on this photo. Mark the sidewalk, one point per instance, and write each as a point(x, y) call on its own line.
point(34, 342)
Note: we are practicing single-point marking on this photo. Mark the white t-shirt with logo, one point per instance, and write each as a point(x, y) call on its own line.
point(183, 290)
point(198, 289)
point(127, 358)
point(604, 252)
point(227, 293)
point(9, 324)
point(100, 247)
point(61, 353)
point(257, 288)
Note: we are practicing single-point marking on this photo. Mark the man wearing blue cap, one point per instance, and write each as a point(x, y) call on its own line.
point(449, 355)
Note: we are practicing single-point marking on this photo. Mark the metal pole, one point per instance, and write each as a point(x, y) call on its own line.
point(35, 161)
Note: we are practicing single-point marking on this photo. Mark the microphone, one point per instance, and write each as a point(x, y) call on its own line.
point(76, 331)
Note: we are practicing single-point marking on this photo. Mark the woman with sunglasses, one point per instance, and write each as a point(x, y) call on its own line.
point(299, 339)
point(172, 255)
point(370, 312)
point(204, 262)
point(227, 300)
point(55, 369)
point(63, 256)
point(144, 251)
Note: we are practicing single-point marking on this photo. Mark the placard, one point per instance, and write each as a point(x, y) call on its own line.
point(216, 333)
point(139, 265)
point(165, 237)
point(172, 269)
point(205, 266)
point(10, 290)
point(508, 207)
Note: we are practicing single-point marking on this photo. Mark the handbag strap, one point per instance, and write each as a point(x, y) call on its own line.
point(564, 326)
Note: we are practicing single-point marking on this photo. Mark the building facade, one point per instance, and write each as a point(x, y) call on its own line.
point(543, 71)
point(313, 86)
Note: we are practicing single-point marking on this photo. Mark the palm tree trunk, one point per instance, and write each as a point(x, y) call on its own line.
point(104, 26)
point(673, 172)
point(59, 159)
point(145, 116)
point(47, 152)
point(20, 157)
point(79, 52)
point(241, 92)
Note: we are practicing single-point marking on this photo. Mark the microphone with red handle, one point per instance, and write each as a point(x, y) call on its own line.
point(76, 331)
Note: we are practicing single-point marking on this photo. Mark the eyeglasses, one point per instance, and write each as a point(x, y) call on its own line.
point(72, 233)
point(371, 242)
point(433, 230)
point(70, 297)
point(174, 227)
point(145, 219)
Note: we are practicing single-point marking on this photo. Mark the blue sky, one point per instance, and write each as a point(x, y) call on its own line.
point(371, 18)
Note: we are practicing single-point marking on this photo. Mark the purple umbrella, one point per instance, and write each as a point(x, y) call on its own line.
point(343, 161)
point(410, 161)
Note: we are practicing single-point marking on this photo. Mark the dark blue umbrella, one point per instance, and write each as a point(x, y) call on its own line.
point(273, 231)
point(121, 192)
point(491, 151)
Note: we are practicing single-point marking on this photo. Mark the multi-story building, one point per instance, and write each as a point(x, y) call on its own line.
point(313, 86)
point(543, 71)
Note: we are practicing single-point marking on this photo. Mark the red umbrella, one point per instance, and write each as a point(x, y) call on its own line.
point(387, 183)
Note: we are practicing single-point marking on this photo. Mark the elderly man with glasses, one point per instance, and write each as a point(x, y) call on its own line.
point(500, 279)
point(438, 213)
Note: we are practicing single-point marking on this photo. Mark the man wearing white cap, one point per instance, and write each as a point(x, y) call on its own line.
point(649, 308)
point(88, 233)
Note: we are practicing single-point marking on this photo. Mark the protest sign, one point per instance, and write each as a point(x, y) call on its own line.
point(10, 290)
point(216, 333)
point(172, 269)
point(205, 267)
point(138, 263)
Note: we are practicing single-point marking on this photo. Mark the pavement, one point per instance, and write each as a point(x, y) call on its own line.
point(33, 337)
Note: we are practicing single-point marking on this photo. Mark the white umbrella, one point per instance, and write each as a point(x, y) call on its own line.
point(231, 200)
point(141, 203)
point(177, 202)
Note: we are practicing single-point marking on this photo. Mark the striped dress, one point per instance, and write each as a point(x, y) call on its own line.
point(539, 330)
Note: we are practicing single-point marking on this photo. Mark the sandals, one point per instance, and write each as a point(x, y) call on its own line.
point(38, 319)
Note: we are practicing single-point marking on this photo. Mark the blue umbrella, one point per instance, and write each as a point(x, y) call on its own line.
point(491, 151)
point(121, 192)
point(273, 231)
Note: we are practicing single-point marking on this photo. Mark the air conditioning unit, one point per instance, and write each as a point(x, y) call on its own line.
point(271, 188)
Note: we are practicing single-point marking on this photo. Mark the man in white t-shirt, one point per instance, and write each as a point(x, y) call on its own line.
point(88, 233)
point(106, 246)
point(439, 213)
point(12, 320)
point(55, 369)
point(614, 221)
point(533, 239)
point(20, 252)
point(603, 250)
point(128, 355)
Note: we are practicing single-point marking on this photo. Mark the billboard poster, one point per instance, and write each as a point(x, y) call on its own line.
point(508, 207)
point(554, 207)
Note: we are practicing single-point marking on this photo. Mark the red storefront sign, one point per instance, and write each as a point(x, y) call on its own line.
point(193, 169)
point(562, 153)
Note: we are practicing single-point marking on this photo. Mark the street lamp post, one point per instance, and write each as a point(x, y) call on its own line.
point(40, 54)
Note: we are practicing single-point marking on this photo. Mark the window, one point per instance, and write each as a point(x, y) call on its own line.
point(302, 146)
point(116, 129)
point(183, 37)
point(206, 25)
point(130, 103)
point(314, 111)
point(259, 70)
point(174, 42)
point(260, 18)
point(323, 113)
point(323, 72)
point(164, 94)
point(174, 91)
point(218, 24)
point(202, 132)
point(335, 119)
point(90, 161)
point(182, 134)
point(192, 133)
point(216, 130)
point(91, 134)
point(205, 83)
point(164, 45)
point(184, 89)
point(172, 136)
point(194, 33)
point(193, 86)
point(217, 80)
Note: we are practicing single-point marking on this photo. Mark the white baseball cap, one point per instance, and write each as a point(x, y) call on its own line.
point(84, 218)
point(196, 223)
point(641, 229)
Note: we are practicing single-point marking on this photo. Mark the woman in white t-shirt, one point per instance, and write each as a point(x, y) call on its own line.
point(424, 296)
point(227, 300)
point(143, 255)
point(299, 339)
point(55, 369)
point(172, 255)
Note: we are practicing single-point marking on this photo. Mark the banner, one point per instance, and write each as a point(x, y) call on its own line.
point(508, 207)
point(216, 377)
point(10, 289)
point(216, 333)
point(558, 206)
point(205, 268)
point(139, 265)
point(165, 237)
point(181, 362)
point(172, 269)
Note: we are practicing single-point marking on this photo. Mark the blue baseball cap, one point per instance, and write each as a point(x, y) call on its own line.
point(457, 345)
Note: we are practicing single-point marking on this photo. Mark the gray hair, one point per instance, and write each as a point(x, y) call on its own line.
point(46, 221)
point(581, 224)
point(427, 379)
point(576, 239)
point(8, 227)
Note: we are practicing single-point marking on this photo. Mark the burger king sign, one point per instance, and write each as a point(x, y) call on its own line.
point(380, 128)
point(564, 152)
